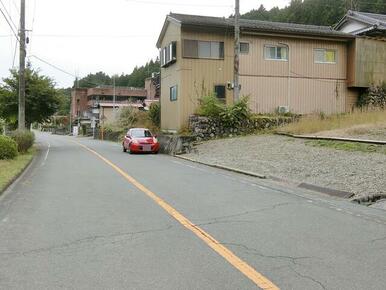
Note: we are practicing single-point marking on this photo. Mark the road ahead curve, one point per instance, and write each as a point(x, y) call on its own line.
point(73, 221)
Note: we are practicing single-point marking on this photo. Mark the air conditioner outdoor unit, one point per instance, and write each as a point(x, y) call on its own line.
point(283, 109)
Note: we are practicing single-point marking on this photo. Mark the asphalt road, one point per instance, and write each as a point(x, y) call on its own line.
point(77, 221)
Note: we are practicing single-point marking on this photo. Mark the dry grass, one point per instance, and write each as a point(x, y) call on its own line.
point(318, 123)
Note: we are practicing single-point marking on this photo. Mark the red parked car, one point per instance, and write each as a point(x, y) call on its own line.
point(140, 140)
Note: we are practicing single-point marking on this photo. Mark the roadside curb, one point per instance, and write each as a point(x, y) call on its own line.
point(370, 199)
point(261, 176)
point(17, 176)
point(315, 137)
point(302, 185)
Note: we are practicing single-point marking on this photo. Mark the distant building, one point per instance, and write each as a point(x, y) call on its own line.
point(98, 103)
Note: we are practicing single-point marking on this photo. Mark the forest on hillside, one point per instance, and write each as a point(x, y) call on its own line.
point(316, 12)
point(135, 79)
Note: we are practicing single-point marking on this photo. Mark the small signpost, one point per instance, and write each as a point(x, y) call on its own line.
point(93, 123)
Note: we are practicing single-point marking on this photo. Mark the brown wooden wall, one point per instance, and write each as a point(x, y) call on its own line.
point(300, 83)
point(369, 62)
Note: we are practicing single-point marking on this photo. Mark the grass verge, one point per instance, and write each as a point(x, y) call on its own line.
point(348, 146)
point(320, 122)
point(11, 169)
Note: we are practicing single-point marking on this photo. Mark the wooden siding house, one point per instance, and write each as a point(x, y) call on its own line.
point(302, 68)
point(367, 54)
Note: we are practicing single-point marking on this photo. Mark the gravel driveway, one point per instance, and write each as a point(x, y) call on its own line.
point(291, 159)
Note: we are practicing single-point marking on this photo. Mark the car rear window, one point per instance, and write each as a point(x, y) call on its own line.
point(140, 133)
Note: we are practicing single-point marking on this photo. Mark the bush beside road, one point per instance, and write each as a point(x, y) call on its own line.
point(10, 169)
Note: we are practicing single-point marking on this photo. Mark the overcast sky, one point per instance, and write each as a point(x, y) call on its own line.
point(86, 36)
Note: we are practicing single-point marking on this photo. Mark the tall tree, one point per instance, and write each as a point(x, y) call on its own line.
point(64, 98)
point(316, 12)
point(41, 98)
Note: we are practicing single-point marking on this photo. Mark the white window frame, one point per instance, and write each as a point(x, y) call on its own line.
point(325, 50)
point(171, 93)
point(275, 46)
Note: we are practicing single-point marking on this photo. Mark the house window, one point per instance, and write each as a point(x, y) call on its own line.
point(219, 90)
point(276, 52)
point(324, 55)
point(244, 47)
point(168, 54)
point(173, 93)
point(203, 49)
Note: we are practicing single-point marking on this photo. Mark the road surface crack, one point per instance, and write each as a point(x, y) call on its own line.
point(219, 219)
point(309, 278)
point(378, 239)
point(86, 240)
point(293, 260)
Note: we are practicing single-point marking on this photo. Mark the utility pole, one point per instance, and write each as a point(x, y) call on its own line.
point(21, 115)
point(114, 113)
point(236, 87)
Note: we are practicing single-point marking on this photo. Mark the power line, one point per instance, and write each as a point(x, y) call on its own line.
point(54, 66)
point(60, 69)
point(14, 55)
point(16, 7)
point(9, 16)
point(32, 27)
point(9, 24)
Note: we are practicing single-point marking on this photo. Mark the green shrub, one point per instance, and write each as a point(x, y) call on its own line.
point(24, 139)
point(232, 116)
point(236, 115)
point(210, 106)
point(8, 148)
point(155, 114)
point(127, 117)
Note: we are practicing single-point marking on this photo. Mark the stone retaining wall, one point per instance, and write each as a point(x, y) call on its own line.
point(205, 128)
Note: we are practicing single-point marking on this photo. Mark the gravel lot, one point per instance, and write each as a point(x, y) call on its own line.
point(369, 131)
point(291, 159)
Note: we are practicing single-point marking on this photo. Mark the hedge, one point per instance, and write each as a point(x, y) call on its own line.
point(8, 148)
point(24, 139)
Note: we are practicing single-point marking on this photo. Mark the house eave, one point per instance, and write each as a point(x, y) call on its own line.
point(292, 34)
point(168, 20)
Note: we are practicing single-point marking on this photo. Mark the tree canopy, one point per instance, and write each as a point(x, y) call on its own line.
point(135, 79)
point(316, 12)
point(64, 98)
point(41, 100)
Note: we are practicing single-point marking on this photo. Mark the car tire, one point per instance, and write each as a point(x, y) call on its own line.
point(123, 148)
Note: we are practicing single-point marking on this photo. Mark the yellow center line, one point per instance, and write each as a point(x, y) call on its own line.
point(227, 254)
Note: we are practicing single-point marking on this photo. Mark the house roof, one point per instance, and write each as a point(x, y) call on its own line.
point(374, 21)
point(251, 25)
point(119, 91)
